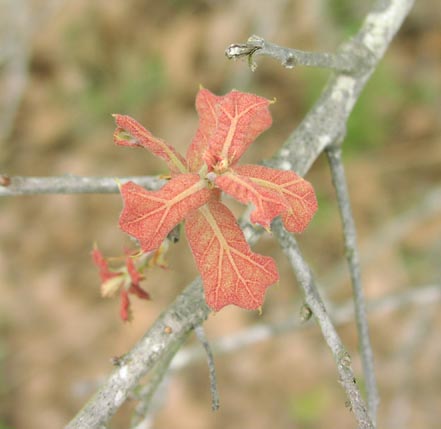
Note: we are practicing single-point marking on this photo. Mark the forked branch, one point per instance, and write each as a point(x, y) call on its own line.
point(352, 255)
point(315, 303)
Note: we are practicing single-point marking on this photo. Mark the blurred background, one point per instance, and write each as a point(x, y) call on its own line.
point(66, 66)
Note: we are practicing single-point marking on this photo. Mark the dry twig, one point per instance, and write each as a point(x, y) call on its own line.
point(350, 237)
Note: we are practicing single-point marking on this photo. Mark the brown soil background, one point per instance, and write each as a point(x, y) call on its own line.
point(147, 59)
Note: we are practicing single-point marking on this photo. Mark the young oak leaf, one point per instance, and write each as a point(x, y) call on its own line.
point(298, 193)
point(131, 133)
point(268, 204)
point(126, 279)
point(206, 103)
point(150, 215)
point(228, 125)
point(231, 272)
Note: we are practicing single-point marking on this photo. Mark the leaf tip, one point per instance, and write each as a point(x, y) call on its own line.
point(117, 117)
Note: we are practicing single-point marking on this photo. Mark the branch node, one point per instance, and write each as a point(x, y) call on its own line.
point(344, 359)
point(289, 62)
point(239, 50)
point(305, 313)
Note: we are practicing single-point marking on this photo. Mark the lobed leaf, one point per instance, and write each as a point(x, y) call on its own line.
point(298, 194)
point(268, 204)
point(227, 126)
point(206, 103)
point(124, 307)
point(102, 264)
point(150, 215)
point(231, 272)
point(130, 132)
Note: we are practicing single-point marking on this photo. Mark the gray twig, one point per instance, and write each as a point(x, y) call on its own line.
point(148, 394)
point(333, 153)
point(315, 303)
point(19, 185)
point(417, 296)
point(391, 232)
point(289, 58)
point(171, 328)
point(200, 334)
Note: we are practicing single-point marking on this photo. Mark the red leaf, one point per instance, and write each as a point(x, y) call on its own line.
point(131, 133)
point(124, 309)
point(231, 272)
point(227, 126)
point(135, 276)
point(297, 192)
point(206, 103)
point(150, 215)
point(138, 291)
point(268, 203)
point(102, 264)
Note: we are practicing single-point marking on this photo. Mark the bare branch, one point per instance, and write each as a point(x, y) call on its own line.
point(171, 328)
point(350, 237)
point(18, 185)
point(289, 58)
point(199, 331)
point(391, 232)
point(145, 409)
point(315, 303)
point(418, 296)
point(325, 123)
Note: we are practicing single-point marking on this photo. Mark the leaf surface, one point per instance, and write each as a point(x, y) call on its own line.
point(231, 272)
point(227, 126)
point(297, 192)
point(130, 132)
point(267, 202)
point(206, 103)
point(150, 215)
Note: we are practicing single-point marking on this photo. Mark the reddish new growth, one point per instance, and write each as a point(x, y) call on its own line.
point(126, 278)
point(230, 271)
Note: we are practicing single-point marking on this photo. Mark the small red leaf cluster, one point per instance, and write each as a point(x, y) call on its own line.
point(127, 277)
point(230, 271)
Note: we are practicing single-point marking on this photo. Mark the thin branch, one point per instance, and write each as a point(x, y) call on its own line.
point(145, 408)
point(326, 122)
point(351, 249)
point(171, 328)
point(289, 58)
point(421, 296)
point(315, 303)
point(200, 334)
point(390, 233)
point(69, 184)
